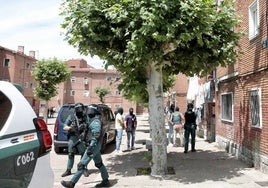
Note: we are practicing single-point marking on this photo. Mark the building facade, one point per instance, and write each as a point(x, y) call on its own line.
point(81, 87)
point(16, 67)
point(241, 90)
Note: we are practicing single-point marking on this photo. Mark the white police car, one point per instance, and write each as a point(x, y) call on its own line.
point(25, 143)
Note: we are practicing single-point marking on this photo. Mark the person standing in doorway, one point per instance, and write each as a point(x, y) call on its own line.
point(189, 127)
point(119, 126)
point(131, 125)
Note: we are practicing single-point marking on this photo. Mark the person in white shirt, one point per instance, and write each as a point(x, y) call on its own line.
point(119, 125)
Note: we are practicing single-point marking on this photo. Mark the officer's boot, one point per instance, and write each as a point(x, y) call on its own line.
point(66, 173)
point(67, 184)
point(104, 183)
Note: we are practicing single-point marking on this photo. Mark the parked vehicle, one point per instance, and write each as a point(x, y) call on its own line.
point(60, 135)
point(25, 143)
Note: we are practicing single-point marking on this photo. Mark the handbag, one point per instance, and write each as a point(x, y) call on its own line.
point(177, 126)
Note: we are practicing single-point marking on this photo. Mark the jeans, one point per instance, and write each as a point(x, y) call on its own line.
point(119, 134)
point(170, 133)
point(187, 133)
point(96, 156)
point(130, 135)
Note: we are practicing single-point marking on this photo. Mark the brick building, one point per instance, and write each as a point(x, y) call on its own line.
point(177, 94)
point(82, 83)
point(16, 67)
point(241, 106)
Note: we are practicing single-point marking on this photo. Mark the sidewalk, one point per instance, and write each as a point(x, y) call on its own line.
point(208, 167)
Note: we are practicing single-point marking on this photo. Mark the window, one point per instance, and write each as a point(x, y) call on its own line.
point(117, 106)
point(253, 19)
point(255, 107)
point(73, 79)
point(5, 109)
point(72, 93)
point(6, 63)
point(117, 92)
point(28, 66)
point(227, 106)
point(85, 80)
point(86, 93)
point(117, 79)
point(26, 84)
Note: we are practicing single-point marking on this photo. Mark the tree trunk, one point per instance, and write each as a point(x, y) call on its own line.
point(46, 112)
point(157, 121)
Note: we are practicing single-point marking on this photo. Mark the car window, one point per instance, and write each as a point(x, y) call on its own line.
point(66, 111)
point(111, 114)
point(104, 116)
point(5, 108)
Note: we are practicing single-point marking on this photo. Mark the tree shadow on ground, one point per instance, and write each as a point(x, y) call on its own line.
point(189, 168)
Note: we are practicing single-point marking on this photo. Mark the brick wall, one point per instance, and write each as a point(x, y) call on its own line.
point(239, 136)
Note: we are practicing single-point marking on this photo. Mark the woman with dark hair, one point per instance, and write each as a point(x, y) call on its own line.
point(189, 127)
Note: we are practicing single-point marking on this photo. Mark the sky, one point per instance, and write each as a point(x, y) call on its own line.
point(36, 25)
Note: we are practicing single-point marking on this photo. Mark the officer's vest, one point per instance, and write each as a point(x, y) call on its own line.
point(89, 131)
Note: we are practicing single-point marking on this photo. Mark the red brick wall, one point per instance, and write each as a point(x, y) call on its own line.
point(252, 73)
point(18, 73)
point(241, 130)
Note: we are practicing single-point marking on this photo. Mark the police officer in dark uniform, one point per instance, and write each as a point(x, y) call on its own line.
point(190, 127)
point(75, 125)
point(92, 140)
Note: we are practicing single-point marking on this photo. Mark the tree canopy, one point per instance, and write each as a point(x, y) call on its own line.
point(148, 40)
point(102, 92)
point(48, 74)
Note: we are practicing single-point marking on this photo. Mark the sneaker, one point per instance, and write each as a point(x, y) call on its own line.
point(67, 184)
point(66, 173)
point(86, 172)
point(104, 183)
point(193, 150)
point(185, 152)
point(119, 152)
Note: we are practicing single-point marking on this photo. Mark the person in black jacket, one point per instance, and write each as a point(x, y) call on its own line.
point(189, 127)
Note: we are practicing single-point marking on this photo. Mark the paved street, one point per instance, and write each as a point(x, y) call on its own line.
point(208, 167)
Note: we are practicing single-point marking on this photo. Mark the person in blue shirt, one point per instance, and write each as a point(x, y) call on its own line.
point(131, 125)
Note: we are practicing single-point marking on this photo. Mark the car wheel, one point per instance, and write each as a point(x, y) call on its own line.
point(57, 149)
point(103, 145)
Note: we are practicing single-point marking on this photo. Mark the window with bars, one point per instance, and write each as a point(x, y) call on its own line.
point(227, 106)
point(255, 107)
